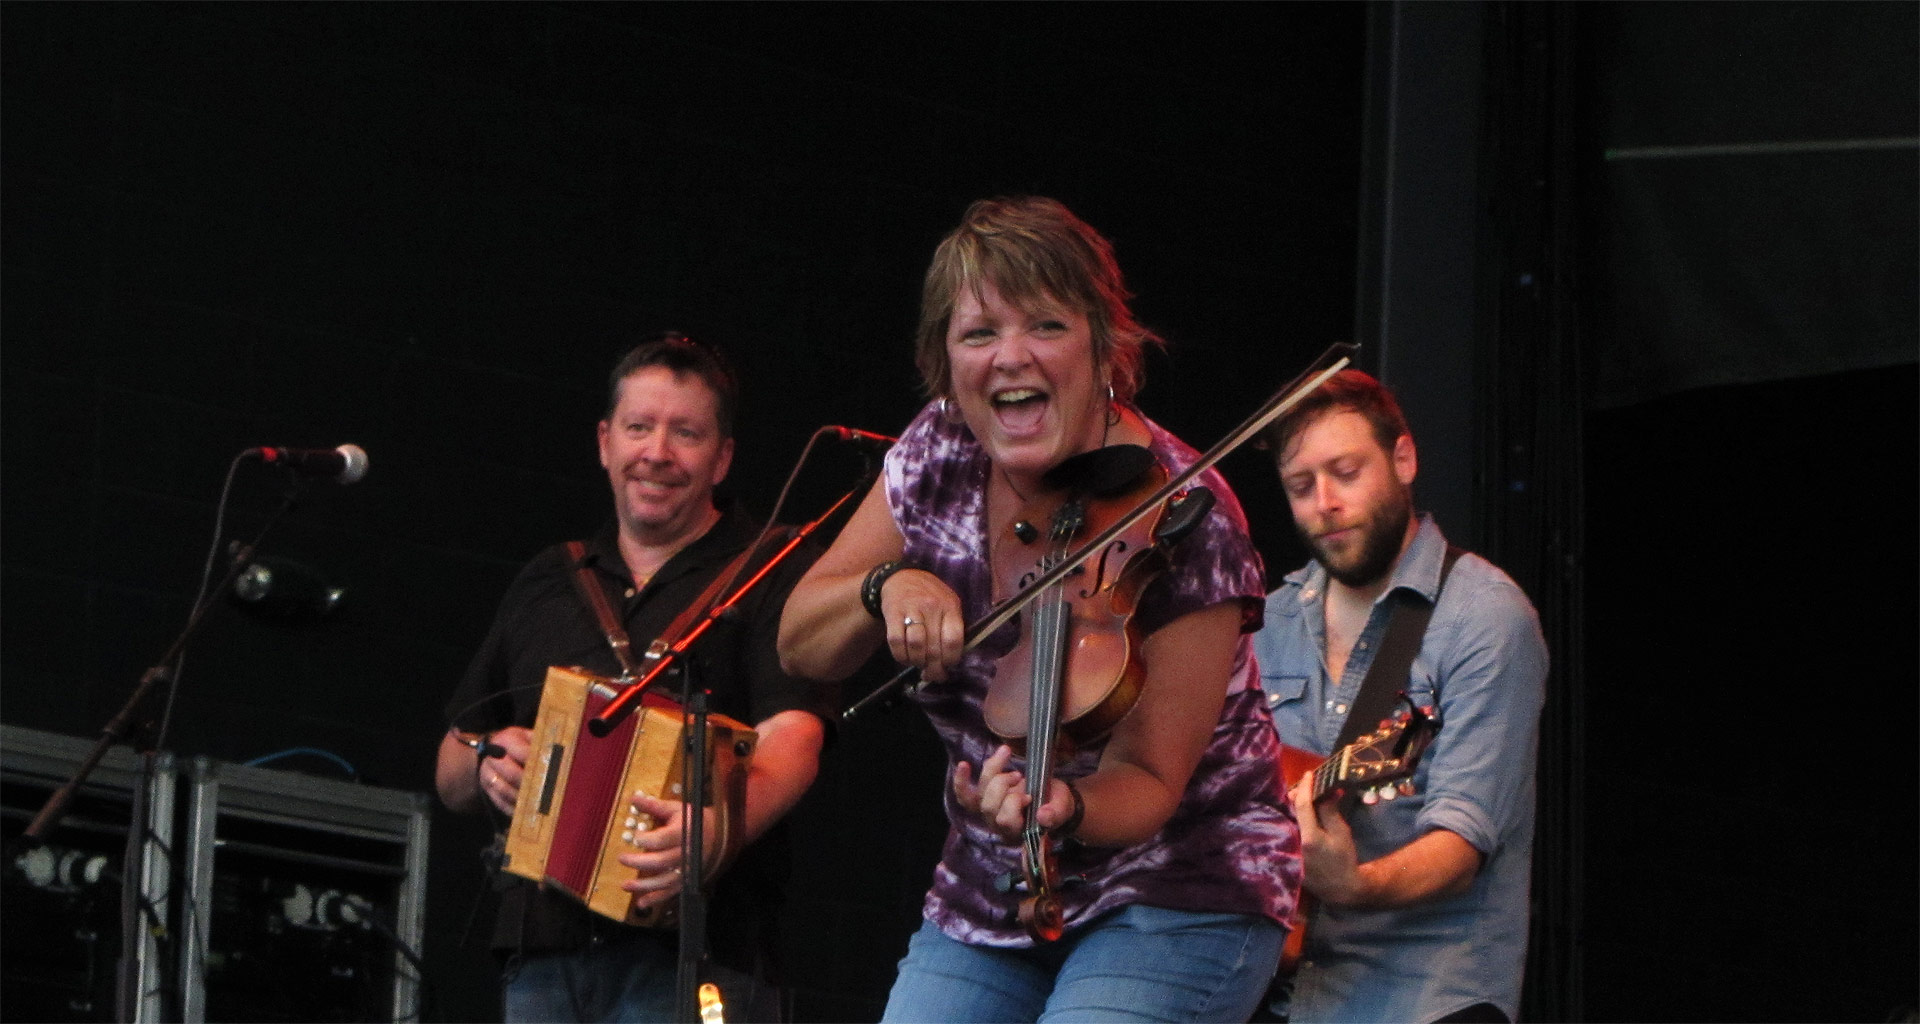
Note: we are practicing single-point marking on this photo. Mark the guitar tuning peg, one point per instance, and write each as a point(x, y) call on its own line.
point(1389, 792)
point(1370, 797)
point(1405, 786)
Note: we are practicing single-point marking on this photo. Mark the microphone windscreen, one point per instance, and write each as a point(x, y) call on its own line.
point(356, 464)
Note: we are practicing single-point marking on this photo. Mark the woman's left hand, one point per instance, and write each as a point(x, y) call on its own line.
point(1000, 796)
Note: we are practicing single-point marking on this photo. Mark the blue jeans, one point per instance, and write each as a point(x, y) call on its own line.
point(621, 981)
point(1137, 963)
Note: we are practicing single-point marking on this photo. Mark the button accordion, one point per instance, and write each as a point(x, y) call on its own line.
point(574, 816)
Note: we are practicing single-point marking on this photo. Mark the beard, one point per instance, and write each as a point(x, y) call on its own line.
point(1381, 534)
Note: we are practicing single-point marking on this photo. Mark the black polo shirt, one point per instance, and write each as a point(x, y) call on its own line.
point(543, 621)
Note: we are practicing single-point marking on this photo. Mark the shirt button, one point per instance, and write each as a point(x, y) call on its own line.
point(1363, 645)
point(1342, 708)
point(629, 591)
point(1273, 700)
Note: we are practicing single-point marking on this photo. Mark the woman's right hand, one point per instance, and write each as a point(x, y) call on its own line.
point(925, 627)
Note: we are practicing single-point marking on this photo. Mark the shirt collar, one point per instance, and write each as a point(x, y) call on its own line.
point(722, 541)
point(1418, 569)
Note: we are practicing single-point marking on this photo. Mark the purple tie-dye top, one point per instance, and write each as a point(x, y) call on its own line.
point(1231, 846)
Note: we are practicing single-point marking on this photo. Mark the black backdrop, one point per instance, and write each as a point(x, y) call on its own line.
point(429, 229)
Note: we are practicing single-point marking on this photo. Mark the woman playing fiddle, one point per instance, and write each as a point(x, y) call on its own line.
point(1176, 857)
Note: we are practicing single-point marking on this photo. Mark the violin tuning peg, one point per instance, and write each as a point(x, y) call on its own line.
point(1026, 531)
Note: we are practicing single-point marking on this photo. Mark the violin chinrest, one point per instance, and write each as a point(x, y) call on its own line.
point(1102, 472)
point(1184, 512)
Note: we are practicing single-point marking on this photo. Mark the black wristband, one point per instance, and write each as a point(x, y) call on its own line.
point(876, 578)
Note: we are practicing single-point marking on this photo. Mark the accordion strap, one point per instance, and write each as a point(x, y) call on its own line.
point(588, 584)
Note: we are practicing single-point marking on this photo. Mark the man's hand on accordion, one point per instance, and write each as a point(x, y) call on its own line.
point(659, 863)
point(499, 777)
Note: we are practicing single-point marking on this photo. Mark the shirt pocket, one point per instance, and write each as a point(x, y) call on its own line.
point(1283, 690)
point(1287, 706)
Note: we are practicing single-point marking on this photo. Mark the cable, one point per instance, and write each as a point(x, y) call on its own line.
point(369, 917)
point(345, 765)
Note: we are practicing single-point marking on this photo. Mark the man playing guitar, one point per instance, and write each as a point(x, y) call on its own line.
point(1422, 900)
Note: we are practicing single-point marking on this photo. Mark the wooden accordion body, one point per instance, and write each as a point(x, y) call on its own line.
point(574, 816)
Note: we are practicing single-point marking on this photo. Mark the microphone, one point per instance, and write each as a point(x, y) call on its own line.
point(863, 439)
point(348, 462)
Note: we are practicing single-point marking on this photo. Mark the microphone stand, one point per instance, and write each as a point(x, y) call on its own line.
point(693, 897)
point(115, 732)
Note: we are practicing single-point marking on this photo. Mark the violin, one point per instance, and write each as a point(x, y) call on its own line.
point(1075, 671)
point(1078, 645)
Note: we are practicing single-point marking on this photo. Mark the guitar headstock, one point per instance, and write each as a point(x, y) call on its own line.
point(1379, 765)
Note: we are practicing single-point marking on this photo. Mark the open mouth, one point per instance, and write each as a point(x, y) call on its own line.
point(1019, 410)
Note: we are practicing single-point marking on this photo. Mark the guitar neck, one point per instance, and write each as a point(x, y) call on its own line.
point(1327, 777)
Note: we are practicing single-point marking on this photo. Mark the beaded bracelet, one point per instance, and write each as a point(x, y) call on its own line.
point(876, 578)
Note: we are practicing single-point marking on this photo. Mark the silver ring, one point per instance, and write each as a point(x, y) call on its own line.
point(909, 621)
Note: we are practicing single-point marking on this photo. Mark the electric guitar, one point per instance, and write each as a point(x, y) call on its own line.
point(1377, 766)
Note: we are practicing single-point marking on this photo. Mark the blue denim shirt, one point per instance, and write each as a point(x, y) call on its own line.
point(1483, 664)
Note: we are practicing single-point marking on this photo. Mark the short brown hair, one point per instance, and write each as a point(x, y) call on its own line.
point(1350, 390)
point(682, 355)
point(1028, 247)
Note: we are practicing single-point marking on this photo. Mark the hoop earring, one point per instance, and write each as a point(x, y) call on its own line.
point(946, 410)
point(1113, 407)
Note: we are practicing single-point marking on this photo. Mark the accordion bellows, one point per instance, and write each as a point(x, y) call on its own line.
point(574, 816)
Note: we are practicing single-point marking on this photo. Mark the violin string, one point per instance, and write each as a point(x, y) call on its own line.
point(1045, 719)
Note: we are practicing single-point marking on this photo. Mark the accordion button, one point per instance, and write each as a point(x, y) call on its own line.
point(633, 822)
point(627, 836)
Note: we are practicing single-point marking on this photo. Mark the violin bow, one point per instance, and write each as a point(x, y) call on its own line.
point(1337, 357)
